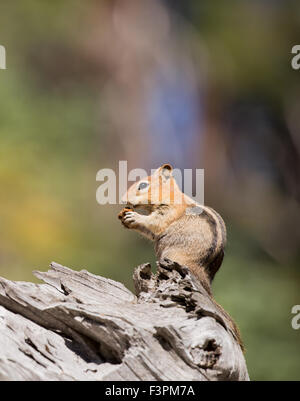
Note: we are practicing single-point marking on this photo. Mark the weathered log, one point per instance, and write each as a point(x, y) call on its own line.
point(79, 326)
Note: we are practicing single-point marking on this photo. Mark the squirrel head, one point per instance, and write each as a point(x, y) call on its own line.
point(158, 189)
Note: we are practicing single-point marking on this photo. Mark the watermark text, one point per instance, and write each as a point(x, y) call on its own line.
point(296, 319)
point(296, 59)
point(163, 185)
point(2, 58)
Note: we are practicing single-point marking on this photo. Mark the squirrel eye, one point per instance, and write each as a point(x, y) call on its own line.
point(143, 185)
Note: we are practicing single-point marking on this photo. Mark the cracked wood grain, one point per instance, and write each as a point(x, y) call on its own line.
point(79, 326)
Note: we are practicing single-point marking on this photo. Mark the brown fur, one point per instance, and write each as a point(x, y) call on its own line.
point(193, 240)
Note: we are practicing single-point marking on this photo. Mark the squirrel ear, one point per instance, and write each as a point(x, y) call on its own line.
point(165, 170)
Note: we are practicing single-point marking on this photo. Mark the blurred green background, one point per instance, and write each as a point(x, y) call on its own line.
point(196, 83)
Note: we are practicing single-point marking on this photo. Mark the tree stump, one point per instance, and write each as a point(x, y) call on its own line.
point(79, 326)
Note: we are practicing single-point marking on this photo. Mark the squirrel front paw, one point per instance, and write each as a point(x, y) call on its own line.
point(129, 218)
point(123, 212)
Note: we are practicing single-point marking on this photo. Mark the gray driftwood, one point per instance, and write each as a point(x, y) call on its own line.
point(79, 326)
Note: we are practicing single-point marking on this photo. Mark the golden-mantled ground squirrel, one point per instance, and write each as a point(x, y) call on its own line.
point(183, 231)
